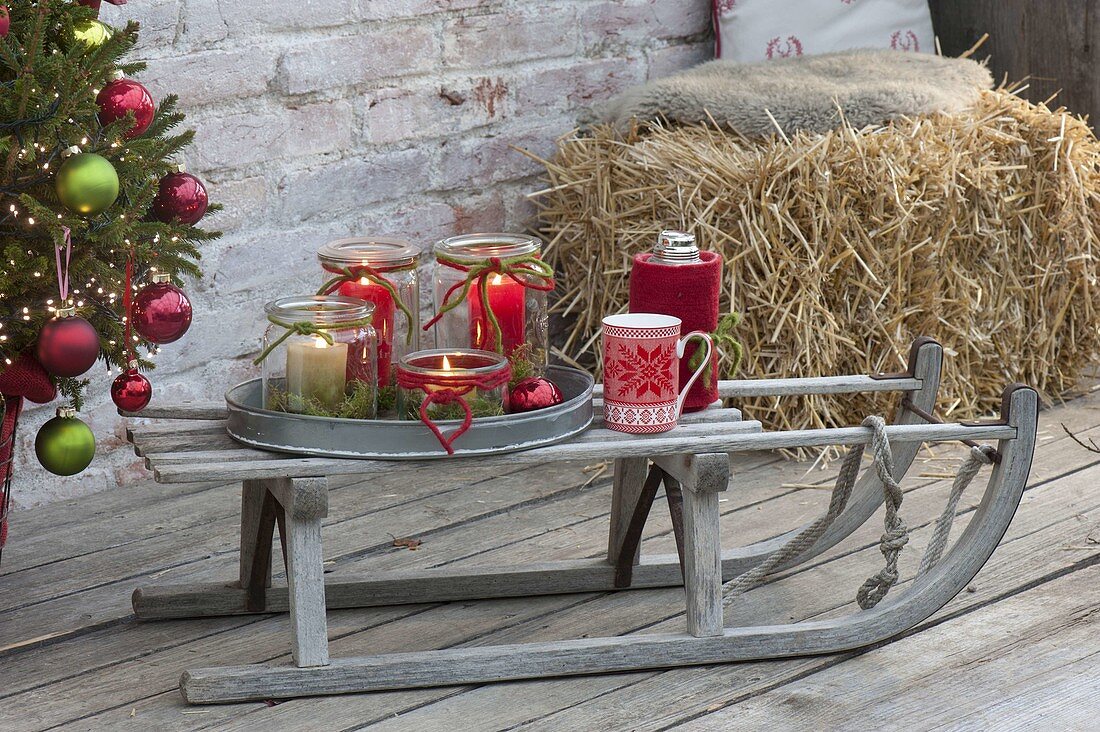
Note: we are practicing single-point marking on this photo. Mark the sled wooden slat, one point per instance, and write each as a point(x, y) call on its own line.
point(692, 462)
point(731, 438)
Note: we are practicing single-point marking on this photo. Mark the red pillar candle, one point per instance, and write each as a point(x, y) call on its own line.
point(362, 267)
point(382, 320)
point(507, 298)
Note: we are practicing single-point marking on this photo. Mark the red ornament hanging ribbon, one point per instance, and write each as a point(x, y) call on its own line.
point(67, 345)
point(454, 393)
point(527, 271)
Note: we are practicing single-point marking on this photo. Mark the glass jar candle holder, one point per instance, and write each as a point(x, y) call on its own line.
point(318, 357)
point(383, 272)
point(490, 293)
point(452, 384)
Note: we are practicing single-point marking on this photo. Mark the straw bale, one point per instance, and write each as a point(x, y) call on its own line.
point(977, 228)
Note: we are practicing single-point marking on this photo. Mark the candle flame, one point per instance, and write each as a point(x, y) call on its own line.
point(319, 342)
point(364, 281)
point(446, 364)
point(498, 279)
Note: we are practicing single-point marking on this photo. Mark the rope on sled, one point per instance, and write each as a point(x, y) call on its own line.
point(896, 534)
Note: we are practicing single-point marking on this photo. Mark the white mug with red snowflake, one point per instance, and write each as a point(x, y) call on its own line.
point(641, 371)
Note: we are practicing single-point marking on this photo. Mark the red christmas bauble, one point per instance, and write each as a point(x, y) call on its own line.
point(67, 346)
point(5, 21)
point(161, 312)
point(182, 197)
point(122, 96)
point(533, 393)
point(131, 391)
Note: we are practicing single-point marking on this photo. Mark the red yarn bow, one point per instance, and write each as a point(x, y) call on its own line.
point(455, 391)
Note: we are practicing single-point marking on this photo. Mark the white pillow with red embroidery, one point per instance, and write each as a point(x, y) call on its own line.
point(757, 30)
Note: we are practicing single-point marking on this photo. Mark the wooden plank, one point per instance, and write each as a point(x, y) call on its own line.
point(729, 440)
point(211, 409)
point(306, 590)
point(702, 564)
point(257, 527)
point(1049, 44)
point(743, 388)
point(626, 491)
point(1001, 655)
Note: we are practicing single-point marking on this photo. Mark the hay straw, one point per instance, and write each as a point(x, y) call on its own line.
point(979, 229)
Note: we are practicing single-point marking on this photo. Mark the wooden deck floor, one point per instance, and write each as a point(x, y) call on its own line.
point(1019, 649)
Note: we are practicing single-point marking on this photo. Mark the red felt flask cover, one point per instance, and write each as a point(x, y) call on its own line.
point(689, 292)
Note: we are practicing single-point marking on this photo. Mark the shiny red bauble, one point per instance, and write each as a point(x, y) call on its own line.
point(5, 21)
point(181, 197)
point(533, 393)
point(131, 391)
point(122, 96)
point(161, 313)
point(67, 346)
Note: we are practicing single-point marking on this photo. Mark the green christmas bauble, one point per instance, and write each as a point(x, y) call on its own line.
point(65, 445)
point(92, 33)
point(87, 184)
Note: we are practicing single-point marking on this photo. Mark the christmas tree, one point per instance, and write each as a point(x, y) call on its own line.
point(96, 218)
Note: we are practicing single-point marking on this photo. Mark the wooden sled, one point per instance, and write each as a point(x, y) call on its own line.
point(693, 463)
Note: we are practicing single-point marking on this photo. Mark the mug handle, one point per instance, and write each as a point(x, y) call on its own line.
point(680, 346)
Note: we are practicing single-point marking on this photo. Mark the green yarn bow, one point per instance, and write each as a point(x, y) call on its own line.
point(307, 328)
point(529, 271)
point(724, 341)
point(374, 275)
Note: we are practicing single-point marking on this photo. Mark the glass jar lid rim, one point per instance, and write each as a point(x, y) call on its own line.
point(498, 362)
point(369, 250)
point(318, 309)
point(480, 246)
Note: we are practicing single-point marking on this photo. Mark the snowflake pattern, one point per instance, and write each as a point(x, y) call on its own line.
point(640, 370)
point(904, 41)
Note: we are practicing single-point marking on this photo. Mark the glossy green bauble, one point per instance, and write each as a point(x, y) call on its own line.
point(65, 446)
point(92, 33)
point(87, 184)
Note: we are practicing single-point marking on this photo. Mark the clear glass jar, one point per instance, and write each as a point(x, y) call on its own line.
point(517, 283)
point(319, 357)
point(480, 378)
point(375, 270)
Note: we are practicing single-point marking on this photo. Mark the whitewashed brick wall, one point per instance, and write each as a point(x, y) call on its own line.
point(325, 118)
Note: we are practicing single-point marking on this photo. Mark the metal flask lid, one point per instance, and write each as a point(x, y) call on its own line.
point(676, 247)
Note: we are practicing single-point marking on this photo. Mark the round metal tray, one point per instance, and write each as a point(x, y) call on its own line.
point(370, 439)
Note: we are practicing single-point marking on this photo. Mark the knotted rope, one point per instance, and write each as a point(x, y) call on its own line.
point(375, 275)
point(896, 534)
point(528, 271)
point(455, 391)
point(979, 456)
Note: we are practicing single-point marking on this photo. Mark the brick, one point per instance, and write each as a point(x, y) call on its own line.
point(493, 39)
point(244, 200)
point(345, 186)
point(638, 22)
point(486, 159)
point(578, 84)
point(396, 114)
point(246, 138)
point(159, 21)
point(358, 59)
point(210, 76)
point(670, 59)
point(244, 18)
point(397, 9)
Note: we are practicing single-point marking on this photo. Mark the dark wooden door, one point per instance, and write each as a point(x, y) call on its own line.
point(1052, 41)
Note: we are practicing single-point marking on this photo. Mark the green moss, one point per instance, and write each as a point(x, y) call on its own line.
point(359, 403)
point(479, 407)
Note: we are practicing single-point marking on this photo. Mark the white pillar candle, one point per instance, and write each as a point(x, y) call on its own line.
point(316, 372)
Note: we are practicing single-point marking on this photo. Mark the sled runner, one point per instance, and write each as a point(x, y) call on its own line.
point(692, 462)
